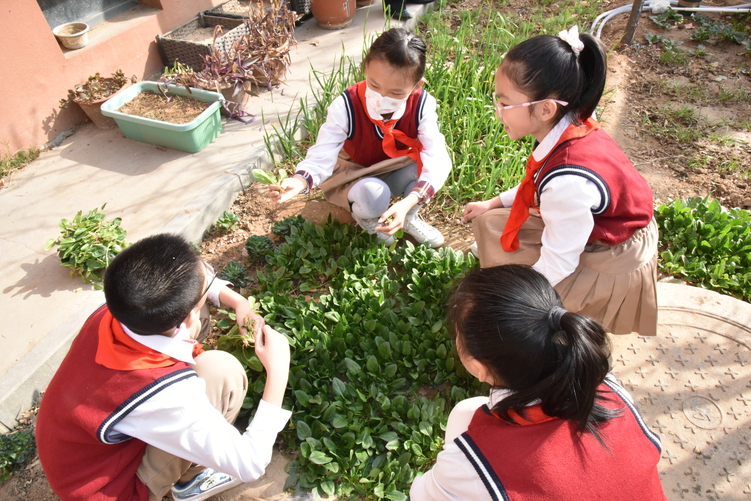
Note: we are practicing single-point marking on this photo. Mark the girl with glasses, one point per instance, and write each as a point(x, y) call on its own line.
point(583, 215)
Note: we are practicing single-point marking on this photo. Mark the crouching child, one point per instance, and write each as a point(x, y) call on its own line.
point(137, 408)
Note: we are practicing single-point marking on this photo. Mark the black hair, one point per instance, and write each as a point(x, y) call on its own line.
point(509, 319)
point(401, 49)
point(546, 66)
point(151, 286)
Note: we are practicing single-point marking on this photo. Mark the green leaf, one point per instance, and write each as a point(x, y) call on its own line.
point(303, 430)
point(318, 457)
point(372, 364)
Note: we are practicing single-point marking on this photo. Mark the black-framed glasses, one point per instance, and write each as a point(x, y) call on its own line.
point(210, 269)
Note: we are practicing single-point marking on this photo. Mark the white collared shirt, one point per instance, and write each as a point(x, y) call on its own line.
point(180, 419)
point(566, 203)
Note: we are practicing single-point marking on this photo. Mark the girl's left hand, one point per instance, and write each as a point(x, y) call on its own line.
point(397, 212)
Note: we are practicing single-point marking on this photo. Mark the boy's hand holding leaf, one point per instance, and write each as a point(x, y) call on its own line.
point(287, 188)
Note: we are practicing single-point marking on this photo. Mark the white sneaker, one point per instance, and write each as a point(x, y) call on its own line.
point(206, 484)
point(369, 225)
point(473, 249)
point(422, 231)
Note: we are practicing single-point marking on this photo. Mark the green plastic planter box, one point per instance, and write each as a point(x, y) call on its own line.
point(190, 137)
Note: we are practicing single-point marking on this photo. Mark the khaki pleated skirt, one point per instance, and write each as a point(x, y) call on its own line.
point(347, 173)
point(613, 284)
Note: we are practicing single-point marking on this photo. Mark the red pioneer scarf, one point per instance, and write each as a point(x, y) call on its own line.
point(391, 135)
point(525, 195)
point(117, 350)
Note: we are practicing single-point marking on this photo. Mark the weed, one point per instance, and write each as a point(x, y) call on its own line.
point(673, 56)
point(700, 51)
point(732, 95)
point(12, 162)
point(227, 222)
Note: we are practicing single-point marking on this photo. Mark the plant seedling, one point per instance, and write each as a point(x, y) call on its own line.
point(235, 273)
point(227, 222)
point(264, 177)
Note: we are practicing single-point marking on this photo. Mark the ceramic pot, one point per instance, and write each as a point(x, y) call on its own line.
point(364, 3)
point(72, 35)
point(333, 14)
point(238, 101)
point(94, 112)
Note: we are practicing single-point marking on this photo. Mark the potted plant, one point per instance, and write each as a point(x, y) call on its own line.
point(258, 58)
point(96, 90)
point(178, 117)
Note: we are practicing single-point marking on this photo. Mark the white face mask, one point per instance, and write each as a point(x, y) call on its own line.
point(378, 105)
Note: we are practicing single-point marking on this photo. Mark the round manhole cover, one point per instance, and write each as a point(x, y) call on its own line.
point(702, 412)
point(692, 384)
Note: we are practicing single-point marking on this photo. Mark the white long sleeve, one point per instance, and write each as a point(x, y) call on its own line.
point(181, 420)
point(321, 158)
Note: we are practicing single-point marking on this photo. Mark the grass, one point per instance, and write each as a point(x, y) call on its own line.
point(12, 162)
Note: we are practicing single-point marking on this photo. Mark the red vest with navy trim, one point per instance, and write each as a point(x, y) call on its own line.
point(82, 457)
point(363, 143)
point(550, 461)
point(627, 202)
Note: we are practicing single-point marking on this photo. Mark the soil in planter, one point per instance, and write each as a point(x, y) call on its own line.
point(237, 7)
point(179, 109)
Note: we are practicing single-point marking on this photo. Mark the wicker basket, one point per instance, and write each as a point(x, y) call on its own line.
point(173, 48)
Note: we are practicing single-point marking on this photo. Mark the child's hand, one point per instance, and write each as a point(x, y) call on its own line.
point(392, 220)
point(287, 189)
point(474, 209)
point(254, 321)
point(272, 349)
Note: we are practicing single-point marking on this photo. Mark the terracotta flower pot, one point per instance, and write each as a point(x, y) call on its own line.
point(333, 14)
point(93, 109)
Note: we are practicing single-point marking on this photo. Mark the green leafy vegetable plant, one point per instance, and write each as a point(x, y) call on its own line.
point(374, 372)
point(227, 222)
point(286, 226)
point(16, 449)
point(258, 247)
point(704, 243)
point(235, 273)
point(87, 244)
point(265, 177)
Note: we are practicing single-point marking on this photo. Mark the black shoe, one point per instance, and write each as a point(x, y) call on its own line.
point(397, 10)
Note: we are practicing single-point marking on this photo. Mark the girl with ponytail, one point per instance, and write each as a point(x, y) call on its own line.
point(583, 215)
point(556, 426)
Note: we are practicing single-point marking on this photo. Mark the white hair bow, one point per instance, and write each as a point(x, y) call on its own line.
point(571, 37)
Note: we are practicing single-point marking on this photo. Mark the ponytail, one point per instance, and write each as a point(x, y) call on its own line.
point(546, 66)
point(511, 320)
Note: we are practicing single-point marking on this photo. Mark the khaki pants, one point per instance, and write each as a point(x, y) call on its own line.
point(226, 386)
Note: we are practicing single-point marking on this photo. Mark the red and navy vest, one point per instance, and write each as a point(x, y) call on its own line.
point(627, 204)
point(548, 460)
point(83, 458)
point(363, 143)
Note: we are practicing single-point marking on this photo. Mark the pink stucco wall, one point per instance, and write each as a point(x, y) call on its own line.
point(36, 73)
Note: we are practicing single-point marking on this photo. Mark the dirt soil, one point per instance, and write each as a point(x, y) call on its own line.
point(636, 111)
point(176, 110)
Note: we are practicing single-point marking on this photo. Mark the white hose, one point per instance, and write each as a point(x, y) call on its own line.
point(603, 18)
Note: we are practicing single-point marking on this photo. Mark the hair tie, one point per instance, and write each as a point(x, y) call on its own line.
point(554, 317)
point(571, 37)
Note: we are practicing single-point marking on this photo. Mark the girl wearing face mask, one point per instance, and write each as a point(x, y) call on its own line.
point(380, 140)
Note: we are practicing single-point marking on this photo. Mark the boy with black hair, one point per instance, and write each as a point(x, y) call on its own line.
point(137, 408)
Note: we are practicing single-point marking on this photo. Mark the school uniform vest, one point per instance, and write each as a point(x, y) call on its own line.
point(548, 460)
point(363, 143)
point(627, 204)
point(82, 457)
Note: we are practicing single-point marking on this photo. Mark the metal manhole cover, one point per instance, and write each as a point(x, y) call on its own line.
point(692, 384)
